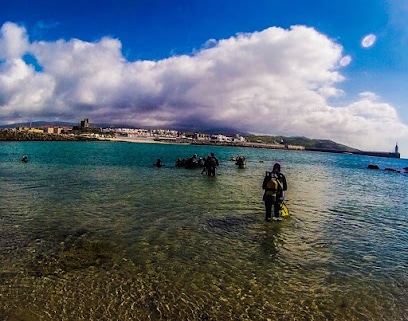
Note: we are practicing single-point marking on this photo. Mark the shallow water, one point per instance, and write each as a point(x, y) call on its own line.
point(92, 231)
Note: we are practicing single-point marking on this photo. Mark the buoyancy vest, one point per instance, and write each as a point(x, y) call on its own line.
point(272, 186)
point(211, 161)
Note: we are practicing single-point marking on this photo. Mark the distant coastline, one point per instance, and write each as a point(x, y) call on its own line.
point(248, 144)
point(13, 135)
point(283, 147)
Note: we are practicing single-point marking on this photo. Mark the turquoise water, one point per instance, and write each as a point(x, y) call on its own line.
point(92, 231)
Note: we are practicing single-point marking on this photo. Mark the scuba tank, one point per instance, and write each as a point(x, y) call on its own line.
point(272, 184)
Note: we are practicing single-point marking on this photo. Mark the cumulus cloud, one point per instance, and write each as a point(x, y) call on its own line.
point(276, 81)
point(13, 41)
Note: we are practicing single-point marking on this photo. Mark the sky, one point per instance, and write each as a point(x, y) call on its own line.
point(321, 69)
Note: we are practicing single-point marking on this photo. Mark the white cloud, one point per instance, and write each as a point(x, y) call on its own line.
point(276, 82)
point(13, 41)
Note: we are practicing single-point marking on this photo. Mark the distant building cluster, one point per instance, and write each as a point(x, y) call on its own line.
point(41, 130)
point(58, 130)
point(84, 129)
point(168, 134)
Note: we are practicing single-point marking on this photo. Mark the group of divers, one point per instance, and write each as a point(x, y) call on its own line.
point(208, 164)
point(274, 183)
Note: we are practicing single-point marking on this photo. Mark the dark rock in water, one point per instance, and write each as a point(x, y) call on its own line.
point(79, 255)
point(371, 166)
point(231, 224)
point(391, 169)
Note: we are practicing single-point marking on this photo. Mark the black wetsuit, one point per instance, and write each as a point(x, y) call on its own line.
point(211, 164)
point(275, 201)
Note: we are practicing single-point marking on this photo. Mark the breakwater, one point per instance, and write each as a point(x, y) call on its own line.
point(282, 146)
point(357, 152)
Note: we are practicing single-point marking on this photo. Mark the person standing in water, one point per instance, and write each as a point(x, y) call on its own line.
point(274, 185)
point(211, 163)
point(158, 163)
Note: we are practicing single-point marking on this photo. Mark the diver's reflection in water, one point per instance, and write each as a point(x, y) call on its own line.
point(271, 240)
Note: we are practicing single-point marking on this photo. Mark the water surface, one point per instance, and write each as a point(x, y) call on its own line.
point(92, 231)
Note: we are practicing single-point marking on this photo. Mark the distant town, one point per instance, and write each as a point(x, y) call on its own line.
point(85, 132)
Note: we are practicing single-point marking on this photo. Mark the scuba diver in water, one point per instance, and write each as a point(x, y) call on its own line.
point(191, 162)
point(240, 161)
point(211, 163)
point(159, 163)
point(274, 185)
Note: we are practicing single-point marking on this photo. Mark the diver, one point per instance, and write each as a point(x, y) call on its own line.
point(240, 161)
point(179, 162)
point(159, 163)
point(192, 162)
point(274, 185)
point(211, 163)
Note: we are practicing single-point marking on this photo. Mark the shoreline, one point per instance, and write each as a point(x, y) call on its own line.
point(182, 141)
point(251, 145)
point(155, 140)
point(149, 140)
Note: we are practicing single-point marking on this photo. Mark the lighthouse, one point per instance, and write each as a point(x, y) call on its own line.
point(396, 148)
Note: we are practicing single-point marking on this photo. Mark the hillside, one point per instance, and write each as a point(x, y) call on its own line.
point(309, 144)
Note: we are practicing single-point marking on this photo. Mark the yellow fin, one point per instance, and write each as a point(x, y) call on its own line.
point(284, 210)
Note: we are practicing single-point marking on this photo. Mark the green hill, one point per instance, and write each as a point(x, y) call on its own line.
point(310, 144)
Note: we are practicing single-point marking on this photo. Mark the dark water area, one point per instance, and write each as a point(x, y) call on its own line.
point(93, 231)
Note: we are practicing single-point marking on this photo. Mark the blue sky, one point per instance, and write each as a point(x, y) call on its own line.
point(265, 67)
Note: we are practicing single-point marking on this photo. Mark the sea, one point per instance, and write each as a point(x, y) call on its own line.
point(93, 231)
